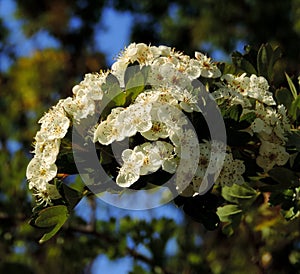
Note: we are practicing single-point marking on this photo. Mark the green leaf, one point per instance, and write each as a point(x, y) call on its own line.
point(295, 107)
point(114, 96)
point(263, 57)
point(242, 195)
point(51, 217)
point(294, 140)
point(231, 215)
point(134, 87)
point(266, 58)
point(248, 117)
point(227, 213)
point(284, 97)
point(292, 86)
point(285, 177)
point(242, 63)
point(234, 112)
point(287, 199)
point(71, 195)
point(135, 81)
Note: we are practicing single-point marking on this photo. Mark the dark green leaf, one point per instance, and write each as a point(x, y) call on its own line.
point(263, 58)
point(51, 217)
point(71, 195)
point(266, 58)
point(285, 177)
point(234, 112)
point(295, 108)
point(293, 89)
point(284, 97)
point(248, 117)
point(294, 139)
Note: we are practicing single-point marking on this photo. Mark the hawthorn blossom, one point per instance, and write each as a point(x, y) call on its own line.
point(38, 172)
point(271, 154)
point(54, 124)
point(208, 69)
point(129, 173)
point(47, 150)
point(231, 172)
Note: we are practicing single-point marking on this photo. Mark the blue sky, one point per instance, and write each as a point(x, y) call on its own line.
point(111, 37)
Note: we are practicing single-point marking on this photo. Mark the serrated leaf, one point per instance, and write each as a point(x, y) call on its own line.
point(227, 213)
point(51, 217)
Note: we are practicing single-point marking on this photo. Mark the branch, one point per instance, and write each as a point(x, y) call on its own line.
point(88, 230)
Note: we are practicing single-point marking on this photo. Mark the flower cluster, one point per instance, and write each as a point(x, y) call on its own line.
point(42, 169)
point(271, 124)
point(161, 115)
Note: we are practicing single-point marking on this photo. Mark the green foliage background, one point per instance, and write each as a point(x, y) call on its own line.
point(263, 242)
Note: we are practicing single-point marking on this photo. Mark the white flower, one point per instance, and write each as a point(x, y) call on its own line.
point(165, 74)
point(270, 124)
point(166, 152)
point(148, 97)
point(259, 89)
point(129, 173)
point(271, 154)
point(141, 53)
point(79, 107)
point(47, 150)
point(238, 83)
point(91, 86)
point(118, 69)
point(107, 131)
point(152, 160)
point(188, 100)
point(158, 130)
point(231, 172)
point(209, 163)
point(135, 118)
point(251, 87)
point(207, 67)
point(54, 124)
point(38, 172)
point(172, 117)
point(164, 50)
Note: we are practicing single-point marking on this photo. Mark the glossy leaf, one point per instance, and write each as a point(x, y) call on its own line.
point(53, 218)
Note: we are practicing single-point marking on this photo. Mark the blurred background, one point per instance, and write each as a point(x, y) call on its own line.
point(46, 47)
